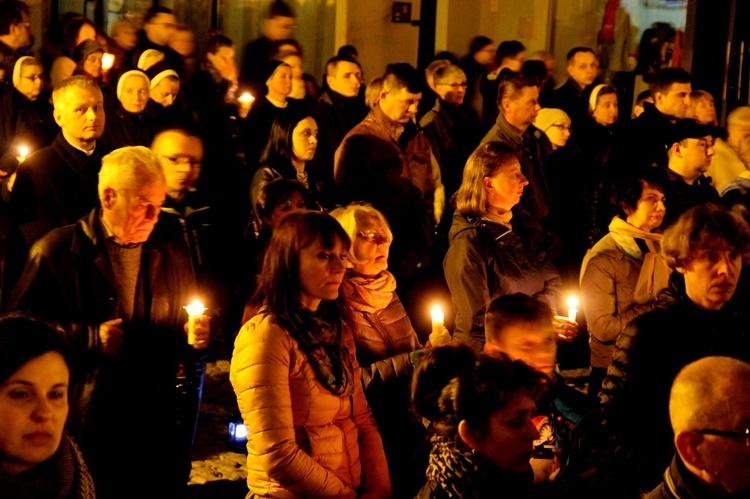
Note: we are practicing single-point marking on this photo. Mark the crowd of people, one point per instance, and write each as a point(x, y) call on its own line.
point(138, 176)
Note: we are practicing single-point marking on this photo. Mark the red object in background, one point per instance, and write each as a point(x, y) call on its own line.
point(607, 33)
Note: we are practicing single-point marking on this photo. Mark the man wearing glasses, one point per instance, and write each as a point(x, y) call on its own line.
point(710, 414)
point(15, 34)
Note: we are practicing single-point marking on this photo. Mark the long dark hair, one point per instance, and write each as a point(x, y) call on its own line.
point(279, 285)
point(279, 151)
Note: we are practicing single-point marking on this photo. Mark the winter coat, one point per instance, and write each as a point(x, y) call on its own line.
point(303, 440)
point(648, 355)
point(484, 260)
point(682, 196)
point(610, 275)
point(123, 128)
point(680, 483)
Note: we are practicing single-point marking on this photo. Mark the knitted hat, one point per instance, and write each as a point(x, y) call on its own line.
point(548, 116)
point(159, 71)
point(17, 68)
point(85, 49)
point(126, 75)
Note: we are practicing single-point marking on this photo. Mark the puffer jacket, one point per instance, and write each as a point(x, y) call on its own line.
point(303, 441)
point(484, 260)
point(649, 353)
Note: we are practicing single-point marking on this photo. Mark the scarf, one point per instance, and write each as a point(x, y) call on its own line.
point(644, 247)
point(318, 335)
point(369, 294)
point(465, 474)
point(62, 476)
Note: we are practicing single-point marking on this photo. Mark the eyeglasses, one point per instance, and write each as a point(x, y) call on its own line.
point(455, 86)
point(562, 126)
point(374, 236)
point(729, 434)
point(176, 160)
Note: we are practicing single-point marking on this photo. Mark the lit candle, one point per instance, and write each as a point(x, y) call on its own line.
point(23, 151)
point(572, 308)
point(194, 311)
point(246, 99)
point(107, 61)
point(437, 319)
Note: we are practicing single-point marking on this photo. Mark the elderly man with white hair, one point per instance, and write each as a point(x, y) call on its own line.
point(710, 414)
point(118, 288)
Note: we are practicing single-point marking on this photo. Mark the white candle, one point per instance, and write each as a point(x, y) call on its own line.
point(437, 319)
point(572, 308)
point(107, 61)
point(194, 310)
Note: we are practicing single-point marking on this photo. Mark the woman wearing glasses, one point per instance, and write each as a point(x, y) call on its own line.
point(489, 254)
point(387, 345)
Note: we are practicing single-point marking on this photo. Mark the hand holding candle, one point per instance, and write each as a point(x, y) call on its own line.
point(198, 331)
point(567, 327)
point(439, 335)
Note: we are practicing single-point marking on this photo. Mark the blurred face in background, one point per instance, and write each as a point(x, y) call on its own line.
point(161, 28)
point(280, 83)
point(183, 42)
point(452, 89)
point(86, 32)
point(223, 61)
point(278, 28)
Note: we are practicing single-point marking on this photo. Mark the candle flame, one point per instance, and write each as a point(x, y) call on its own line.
point(437, 314)
point(23, 151)
point(246, 98)
point(107, 60)
point(195, 309)
point(572, 302)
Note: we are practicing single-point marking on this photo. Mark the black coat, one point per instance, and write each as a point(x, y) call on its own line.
point(643, 142)
point(123, 128)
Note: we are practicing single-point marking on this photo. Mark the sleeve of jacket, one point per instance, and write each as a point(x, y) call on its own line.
point(386, 374)
point(552, 284)
point(466, 276)
point(260, 377)
point(376, 481)
point(598, 291)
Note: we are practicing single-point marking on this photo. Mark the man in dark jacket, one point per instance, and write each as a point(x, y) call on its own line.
point(699, 316)
point(710, 413)
point(690, 156)
point(15, 33)
point(56, 185)
point(159, 27)
point(117, 287)
point(573, 96)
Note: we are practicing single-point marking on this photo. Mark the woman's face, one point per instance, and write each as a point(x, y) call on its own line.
point(509, 438)
point(33, 409)
point(135, 94)
point(280, 82)
point(321, 271)
point(295, 62)
point(370, 246)
point(558, 133)
point(650, 209)
point(606, 110)
point(30, 82)
point(705, 111)
point(165, 92)
point(86, 32)
point(505, 187)
point(93, 64)
point(305, 139)
point(295, 203)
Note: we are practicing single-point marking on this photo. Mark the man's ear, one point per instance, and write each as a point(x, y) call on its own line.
point(382, 95)
point(469, 436)
point(687, 443)
point(328, 80)
point(58, 117)
point(109, 197)
point(487, 182)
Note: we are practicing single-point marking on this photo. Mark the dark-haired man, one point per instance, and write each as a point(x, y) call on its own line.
point(509, 58)
point(387, 161)
point(159, 27)
point(277, 26)
point(572, 96)
point(15, 33)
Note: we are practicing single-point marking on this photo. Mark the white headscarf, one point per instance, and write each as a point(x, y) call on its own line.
point(17, 68)
point(125, 75)
point(163, 74)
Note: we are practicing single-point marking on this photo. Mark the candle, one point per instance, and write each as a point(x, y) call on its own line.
point(572, 308)
point(437, 319)
point(107, 61)
point(23, 151)
point(246, 99)
point(194, 310)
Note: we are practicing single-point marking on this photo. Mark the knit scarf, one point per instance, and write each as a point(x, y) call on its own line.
point(369, 294)
point(62, 476)
point(318, 335)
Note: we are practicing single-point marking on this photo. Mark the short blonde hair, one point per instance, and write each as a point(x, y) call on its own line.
point(372, 92)
point(354, 215)
point(443, 73)
point(129, 168)
point(78, 81)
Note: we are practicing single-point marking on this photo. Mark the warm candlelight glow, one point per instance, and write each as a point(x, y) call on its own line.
point(23, 152)
point(437, 318)
point(107, 61)
point(572, 308)
point(246, 99)
point(195, 309)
